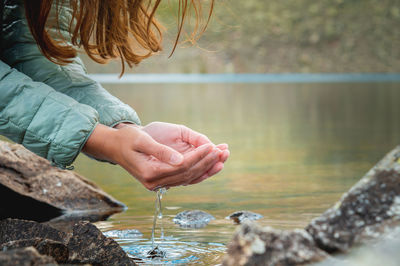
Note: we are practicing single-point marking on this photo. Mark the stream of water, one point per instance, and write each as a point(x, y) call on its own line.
point(295, 148)
point(156, 251)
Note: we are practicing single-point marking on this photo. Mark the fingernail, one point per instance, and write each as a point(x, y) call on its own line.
point(176, 158)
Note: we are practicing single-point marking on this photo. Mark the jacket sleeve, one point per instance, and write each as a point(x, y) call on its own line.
point(47, 122)
point(22, 53)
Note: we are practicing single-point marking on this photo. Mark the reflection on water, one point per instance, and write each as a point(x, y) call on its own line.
point(295, 148)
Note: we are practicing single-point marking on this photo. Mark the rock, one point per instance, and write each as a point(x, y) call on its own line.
point(193, 219)
point(13, 229)
point(36, 188)
point(85, 245)
point(89, 245)
point(25, 256)
point(24, 207)
point(54, 249)
point(156, 253)
point(241, 216)
point(364, 212)
point(124, 234)
point(254, 245)
point(382, 251)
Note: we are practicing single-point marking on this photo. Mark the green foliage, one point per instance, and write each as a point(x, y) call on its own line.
point(324, 35)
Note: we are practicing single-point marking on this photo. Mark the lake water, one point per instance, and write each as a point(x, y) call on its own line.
point(295, 148)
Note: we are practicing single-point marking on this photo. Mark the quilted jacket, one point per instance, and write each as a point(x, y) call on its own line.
point(48, 108)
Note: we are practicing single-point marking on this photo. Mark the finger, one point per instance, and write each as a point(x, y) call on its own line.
point(216, 169)
point(149, 146)
point(147, 168)
point(224, 156)
point(194, 138)
point(159, 171)
point(193, 172)
point(154, 172)
point(200, 179)
point(213, 171)
point(223, 146)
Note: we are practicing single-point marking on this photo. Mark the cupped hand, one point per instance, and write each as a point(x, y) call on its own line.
point(185, 140)
point(152, 163)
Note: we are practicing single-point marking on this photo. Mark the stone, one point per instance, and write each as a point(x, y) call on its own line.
point(365, 211)
point(241, 216)
point(156, 253)
point(85, 245)
point(14, 229)
point(54, 249)
point(256, 245)
point(193, 219)
point(89, 245)
point(38, 189)
point(25, 257)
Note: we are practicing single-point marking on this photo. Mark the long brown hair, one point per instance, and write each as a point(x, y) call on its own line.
point(107, 29)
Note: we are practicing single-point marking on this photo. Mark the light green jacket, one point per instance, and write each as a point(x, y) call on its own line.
point(48, 108)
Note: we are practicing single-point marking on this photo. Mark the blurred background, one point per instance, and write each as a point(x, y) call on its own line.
point(295, 147)
point(282, 36)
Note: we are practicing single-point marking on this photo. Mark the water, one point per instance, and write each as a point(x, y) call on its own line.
point(155, 250)
point(295, 148)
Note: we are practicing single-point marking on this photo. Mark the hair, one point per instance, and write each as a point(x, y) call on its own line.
point(124, 29)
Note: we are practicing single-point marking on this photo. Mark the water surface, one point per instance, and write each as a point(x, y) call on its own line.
point(295, 148)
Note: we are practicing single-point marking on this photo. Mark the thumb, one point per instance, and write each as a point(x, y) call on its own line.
point(162, 152)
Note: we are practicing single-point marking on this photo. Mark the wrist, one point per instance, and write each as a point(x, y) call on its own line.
point(99, 144)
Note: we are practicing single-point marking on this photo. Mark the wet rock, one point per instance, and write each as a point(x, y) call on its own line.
point(193, 219)
point(241, 216)
point(364, 212)
point(89, 245)
point(254, 245)
point(25, 256)
point(156, 253)
point(54, 249)
point(124, 234)
point(85, 245)
point(14, 229)
point(38, 189)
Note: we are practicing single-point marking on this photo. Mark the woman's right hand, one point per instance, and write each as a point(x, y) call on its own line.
point(153, 164)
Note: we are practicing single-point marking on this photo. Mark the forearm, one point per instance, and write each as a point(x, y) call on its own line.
point(101, 143)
